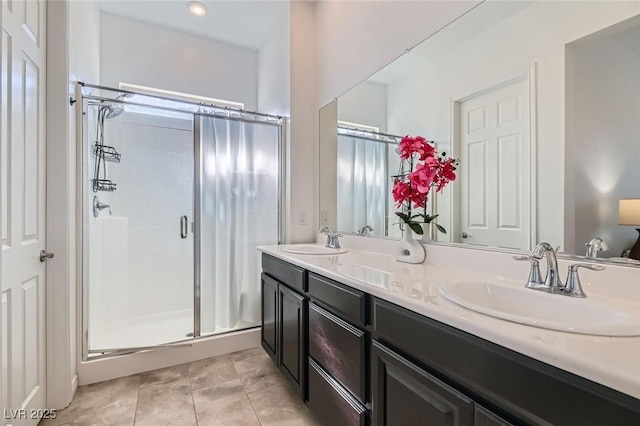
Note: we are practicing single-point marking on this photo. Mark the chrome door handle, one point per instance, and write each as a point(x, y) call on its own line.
point(465, 235)
point(45, 255)
point(184, 227)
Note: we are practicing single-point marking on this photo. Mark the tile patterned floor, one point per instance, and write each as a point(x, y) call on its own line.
point(244, 388)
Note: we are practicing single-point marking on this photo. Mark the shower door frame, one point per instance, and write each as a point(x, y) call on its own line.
point(82, 183)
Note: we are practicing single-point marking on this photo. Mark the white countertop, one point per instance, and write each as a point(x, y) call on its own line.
point(611, 361)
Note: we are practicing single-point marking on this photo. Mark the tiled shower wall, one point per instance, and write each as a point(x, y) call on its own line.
point(139, 264)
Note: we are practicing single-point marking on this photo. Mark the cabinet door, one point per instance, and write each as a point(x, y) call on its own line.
point(270, 316)
point(404, 394)
point(292, 334)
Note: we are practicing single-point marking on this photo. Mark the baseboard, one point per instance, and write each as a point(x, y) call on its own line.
point(74, 385)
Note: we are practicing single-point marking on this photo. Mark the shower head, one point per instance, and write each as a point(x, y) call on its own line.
point(113, 112)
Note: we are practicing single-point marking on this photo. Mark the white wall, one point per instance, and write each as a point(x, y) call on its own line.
point(274, 68)
point(604, 99)
point(365, 104)
point(140, 53)
point(420, 103)
point(303, 135)
point(72, 55)
point(357, 38)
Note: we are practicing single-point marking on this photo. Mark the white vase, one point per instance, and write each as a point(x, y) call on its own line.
point(408, 250)
point(426, 233)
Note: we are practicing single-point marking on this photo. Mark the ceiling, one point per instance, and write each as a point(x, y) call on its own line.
point(242, 23)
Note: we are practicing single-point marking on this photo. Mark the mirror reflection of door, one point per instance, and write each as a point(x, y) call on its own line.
point(494, 145)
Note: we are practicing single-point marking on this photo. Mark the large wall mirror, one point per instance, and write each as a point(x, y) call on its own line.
point(540, 101)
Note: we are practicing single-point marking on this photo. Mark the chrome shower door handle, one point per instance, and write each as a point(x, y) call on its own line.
point(184, 227)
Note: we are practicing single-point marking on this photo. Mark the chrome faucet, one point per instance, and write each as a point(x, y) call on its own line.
point(98, 206)
point(594, 246)
point(366, 230)
point(574, 287)
point(535, 280)
point(332, 238)
point(552, 282)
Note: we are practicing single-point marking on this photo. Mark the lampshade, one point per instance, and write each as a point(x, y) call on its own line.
point(629, 212)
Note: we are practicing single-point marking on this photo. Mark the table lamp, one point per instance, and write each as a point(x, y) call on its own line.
point(629, 214)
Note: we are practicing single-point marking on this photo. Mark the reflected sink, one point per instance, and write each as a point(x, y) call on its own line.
point(593, 316)
point(311, 249)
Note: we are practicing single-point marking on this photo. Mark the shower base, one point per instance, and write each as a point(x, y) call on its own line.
point(151, 330)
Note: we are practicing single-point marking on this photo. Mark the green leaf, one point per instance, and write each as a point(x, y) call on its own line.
point(415, 227)
point(441, 229)
point(403, 216)
point(428, 218)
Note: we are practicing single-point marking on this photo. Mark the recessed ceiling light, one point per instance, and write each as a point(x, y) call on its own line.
point(197, 8)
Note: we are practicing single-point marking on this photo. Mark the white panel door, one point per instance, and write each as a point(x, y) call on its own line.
point(495, 167)
point(22, 201)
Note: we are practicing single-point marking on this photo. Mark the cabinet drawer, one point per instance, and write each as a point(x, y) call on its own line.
point(330, 403)
point(291, 275)
point(344, 300)
point(339, 348)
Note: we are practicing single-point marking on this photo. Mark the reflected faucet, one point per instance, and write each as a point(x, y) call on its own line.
point(594, 246)
point(366, 230)
point(98, 206)
point(552, 282)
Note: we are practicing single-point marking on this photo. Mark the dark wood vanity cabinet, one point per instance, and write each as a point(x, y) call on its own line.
point(284, 319)
point(359, 360)
point(516, 388)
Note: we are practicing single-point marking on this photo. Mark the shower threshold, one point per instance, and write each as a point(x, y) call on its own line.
point(151, 330)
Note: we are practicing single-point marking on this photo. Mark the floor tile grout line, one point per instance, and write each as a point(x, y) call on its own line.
point(246, 394)
point(193, 399)
point(255, 413)
point(135, 413)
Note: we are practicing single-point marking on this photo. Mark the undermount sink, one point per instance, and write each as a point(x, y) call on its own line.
point(312, 249)
point(555, 312)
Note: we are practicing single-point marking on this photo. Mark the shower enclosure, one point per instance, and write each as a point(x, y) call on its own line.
point(366, 163)
point(175, 197)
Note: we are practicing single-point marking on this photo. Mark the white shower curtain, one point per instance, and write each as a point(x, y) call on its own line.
point(362, 184)
point(239, 211)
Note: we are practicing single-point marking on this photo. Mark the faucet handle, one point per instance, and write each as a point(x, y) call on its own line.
point(574, 287)
point(535, 277)
point(326, 230)
point(574, 267)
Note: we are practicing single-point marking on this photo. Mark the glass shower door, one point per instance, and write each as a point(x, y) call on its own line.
point(139, 280)
point(239, 205)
